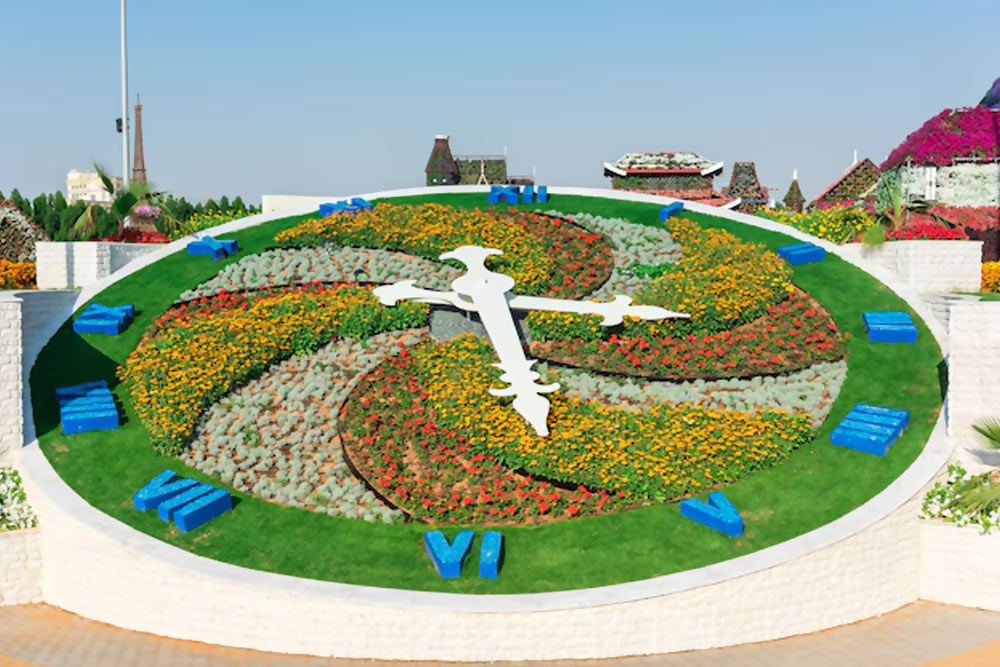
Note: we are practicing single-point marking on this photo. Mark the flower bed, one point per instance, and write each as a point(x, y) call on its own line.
point(991, 277)
point(838, 223)
point(663, 453)
point(17, 275)
point(812, 390)
point(792, 335)
point(392, 436)
point(194, 354)
point(544, 255)
point(980, 218)
point(277, 437)
point(922, 227)
point(294, 266)
point(133, 235)
point(720, 281)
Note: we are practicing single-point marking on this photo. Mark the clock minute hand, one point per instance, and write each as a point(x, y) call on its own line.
point(488, 292)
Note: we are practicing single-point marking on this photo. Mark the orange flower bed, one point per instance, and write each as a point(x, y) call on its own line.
point(17, 275)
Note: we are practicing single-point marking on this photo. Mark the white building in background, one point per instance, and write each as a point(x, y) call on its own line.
point(86, 186)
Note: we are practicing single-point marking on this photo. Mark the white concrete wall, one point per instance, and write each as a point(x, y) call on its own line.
point(974, 369)
point(107, 578)
point(862, 564)
point(20, 567)
point(959, 565)
point(64, 265)
point(11, 422)
point(928, 266)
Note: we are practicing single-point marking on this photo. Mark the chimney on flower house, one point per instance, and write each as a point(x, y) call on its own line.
point(441, 167)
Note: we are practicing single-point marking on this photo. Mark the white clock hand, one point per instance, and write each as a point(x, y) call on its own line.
point(488, 292)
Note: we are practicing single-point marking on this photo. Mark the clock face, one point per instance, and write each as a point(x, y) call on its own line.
point(498, 367)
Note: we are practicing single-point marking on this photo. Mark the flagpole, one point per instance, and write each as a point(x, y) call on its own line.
point(125, 128)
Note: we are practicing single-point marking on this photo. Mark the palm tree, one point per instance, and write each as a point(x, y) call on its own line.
point(989, 431)
point(121, 205)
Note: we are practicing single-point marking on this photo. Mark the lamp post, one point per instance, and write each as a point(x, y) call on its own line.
point(124, 101)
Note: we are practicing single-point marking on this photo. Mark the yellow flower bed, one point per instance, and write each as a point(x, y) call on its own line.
point(428, 230)
point(991, 277)
point(666, 452)
point(195, 355)
point(721, 281)
point(17, 275)
point(839, 224)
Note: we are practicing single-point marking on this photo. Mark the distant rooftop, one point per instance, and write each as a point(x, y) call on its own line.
point(674, 162)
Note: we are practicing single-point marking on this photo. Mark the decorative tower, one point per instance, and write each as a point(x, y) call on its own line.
point(138, 160)
point(745, 185)
point(441, 167)
point(793, 198)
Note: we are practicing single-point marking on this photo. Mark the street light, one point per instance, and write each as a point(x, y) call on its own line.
point(124, 119)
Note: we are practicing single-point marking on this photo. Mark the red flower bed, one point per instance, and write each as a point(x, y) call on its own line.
point(793, 335)
point(584, 257)
point(130, 235)
point(391, 438)
point(979, 218)
point(924, 227)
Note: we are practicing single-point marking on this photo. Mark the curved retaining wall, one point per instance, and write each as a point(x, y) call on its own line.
point(862, 564)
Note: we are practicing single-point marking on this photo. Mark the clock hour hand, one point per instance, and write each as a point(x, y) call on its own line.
point(613, 312)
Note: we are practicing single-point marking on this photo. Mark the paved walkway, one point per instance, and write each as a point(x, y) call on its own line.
point(920, 633)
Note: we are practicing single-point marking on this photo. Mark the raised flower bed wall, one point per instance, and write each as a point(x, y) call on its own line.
point(959, 565)
point(929, 266)
point(64, 265)
point(20, 566)
point(973, 370)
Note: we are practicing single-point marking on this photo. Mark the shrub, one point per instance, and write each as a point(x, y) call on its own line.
point(15, 513)
point(965, 499)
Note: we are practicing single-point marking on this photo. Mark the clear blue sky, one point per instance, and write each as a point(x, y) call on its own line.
point(323, 97)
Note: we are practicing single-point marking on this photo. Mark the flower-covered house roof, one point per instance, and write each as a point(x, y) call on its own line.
point(856, 184)
point(967, 133)
point(674, 162)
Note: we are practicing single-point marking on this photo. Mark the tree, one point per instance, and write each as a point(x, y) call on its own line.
point(224, 203)
point(39, 208)
point(210, 205)
point(238, 204)
point(58, 201)
point(121, 205)
point(18, 201)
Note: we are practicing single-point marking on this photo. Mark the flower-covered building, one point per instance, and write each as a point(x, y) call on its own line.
point(856, 185)
point(683, 175)
point(745, 186)
point(952, 159)
point(445, 169)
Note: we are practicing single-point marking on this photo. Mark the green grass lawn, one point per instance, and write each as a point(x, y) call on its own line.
point(816, 484)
